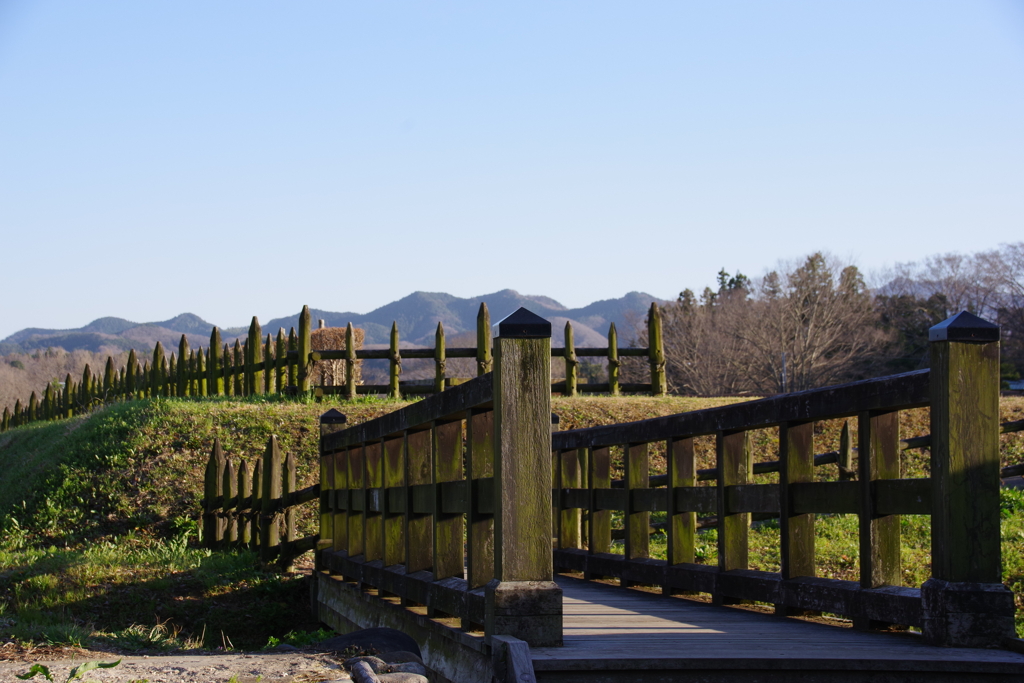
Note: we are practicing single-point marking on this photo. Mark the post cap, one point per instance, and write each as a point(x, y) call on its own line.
point(964, 326)
point(524, 324)
point(333, 417)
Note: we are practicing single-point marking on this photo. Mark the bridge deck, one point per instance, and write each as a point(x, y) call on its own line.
point(613, 632)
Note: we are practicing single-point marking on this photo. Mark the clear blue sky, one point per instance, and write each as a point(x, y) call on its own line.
point(240, 158)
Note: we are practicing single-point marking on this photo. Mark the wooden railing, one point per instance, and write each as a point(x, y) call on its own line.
point(243, 510)
point(265, 365)
point(446, 503)
point(963, 603)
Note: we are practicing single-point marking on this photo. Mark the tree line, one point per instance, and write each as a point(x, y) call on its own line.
point(816, 322)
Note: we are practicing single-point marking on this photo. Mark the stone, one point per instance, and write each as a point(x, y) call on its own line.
point(376, 664)
point(408, 667)
point(378, 639)
point(402, 678)
point(400, 656)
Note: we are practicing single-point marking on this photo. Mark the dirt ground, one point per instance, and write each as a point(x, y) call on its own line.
point(195, 667)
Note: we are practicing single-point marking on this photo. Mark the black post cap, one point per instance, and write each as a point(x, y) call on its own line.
point(524, 324)
point(964, 326)
point(333, 417)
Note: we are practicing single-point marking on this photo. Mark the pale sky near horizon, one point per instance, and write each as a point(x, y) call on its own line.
point(233, 159)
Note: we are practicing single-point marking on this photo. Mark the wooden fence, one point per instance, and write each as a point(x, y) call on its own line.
point(401, 492)
point(265, 365)
point(251, 510)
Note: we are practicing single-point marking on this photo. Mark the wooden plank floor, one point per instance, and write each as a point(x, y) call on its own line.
point(611, 627)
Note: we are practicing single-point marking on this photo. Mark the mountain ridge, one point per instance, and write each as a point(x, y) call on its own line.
point(416, 314)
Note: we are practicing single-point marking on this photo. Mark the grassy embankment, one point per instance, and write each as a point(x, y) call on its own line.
point(99, 519)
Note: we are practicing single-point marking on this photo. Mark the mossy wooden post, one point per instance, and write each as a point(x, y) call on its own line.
point(440, 359)
point(293, 363)
point(229, 489)
point(796, 531)
point(281, 362)
point(156, 379)
point(289, 513)
point(637, 523)
point(68, 404)
point(46, 411)
point(656, 352)
point(238, 371)
point(256, 505)
point(86, 387)
point(395, 364)
point(599, 476)
point(350, 362)
point(33, 408)
point(202, 377)
point(327, 506)
point(419, 545)
point(355, 476)
point(878, 458)
point(571, 362)
point(964, 603)
point(735, 461)
point(268, 365)
point(228, 370)
point(270, 536)
point(394, 522)
point(131, 376)
point(213, 527)
point(845, 464)
point(244, 506)
point(569, 476)
point(183, 367)
point(18, 417)
point(304, 348)
point(171, 388)
point(682, 526)
point(254, 361)
point(108, 379)
point(123, 382)
point(6, 423)
point(613, 361)
point(483, 340)
point(522, 601)
point(215, 381)
point(449, 527)
point(147, 389)
point(373, 477)
point(480, 464)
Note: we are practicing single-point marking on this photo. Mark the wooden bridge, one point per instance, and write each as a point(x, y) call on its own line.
point(438, 519)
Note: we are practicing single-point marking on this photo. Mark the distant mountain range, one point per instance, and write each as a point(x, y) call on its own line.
point(417, 316)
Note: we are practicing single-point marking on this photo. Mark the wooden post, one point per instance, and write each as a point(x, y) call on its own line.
point(6, 424)
point(570, 361)
point(599, 478)
point(289, 513)
point(257, 505)
point(449, 527)
point(373, 521)
point(227, 372)
point(656, 352)
point(734, 454)
point(964, 603)
point(637, 523)
point(215, 379)
point(395, 360)
point(440, 361)
point(244, 506)
point(304, 346)
point(238, 371)
point(796, 531)
point(68, 405)
point(270, 537)
point(183, 375)
point(682, 526)
point(878, 458)
point(483, 341)
point(254, 359)
point(350, 362)
point(268, 365)
point(522, 601)
point(33, 408)
point(213, 528)
point(570, 476)
point(172, 376)
point(281, 362)
point(357, 500)
point(613, 361)
point(394, 522)
point(108, 379)
point(419, 542)
point(293, 345)
point(131, 377)
point(480, 464)
point(202, 377)
point(337, 468)
point(229, 491)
